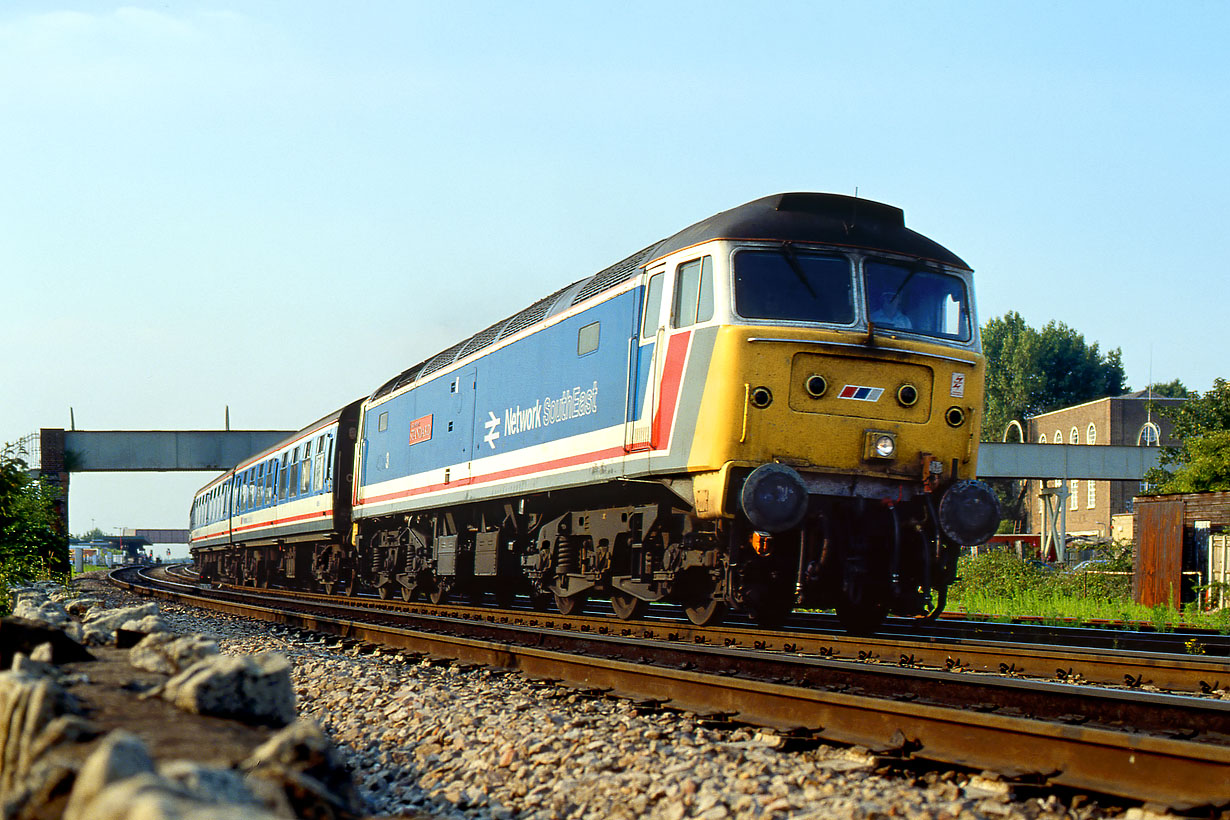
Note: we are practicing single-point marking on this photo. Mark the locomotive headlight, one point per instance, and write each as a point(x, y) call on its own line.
point(774, 498)
point(879, 444)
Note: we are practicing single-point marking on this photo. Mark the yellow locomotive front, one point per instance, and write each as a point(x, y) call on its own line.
point(839, 427)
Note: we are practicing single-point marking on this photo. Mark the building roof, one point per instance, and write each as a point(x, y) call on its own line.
point(1139, 395)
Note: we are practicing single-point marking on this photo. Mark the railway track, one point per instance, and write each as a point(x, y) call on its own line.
point(1168, 749)
point(1019, 653)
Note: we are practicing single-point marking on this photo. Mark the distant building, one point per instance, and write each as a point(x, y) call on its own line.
point(1131, 419)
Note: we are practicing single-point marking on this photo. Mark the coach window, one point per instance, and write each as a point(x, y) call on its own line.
point(329, 461)
point(318, 471)
point(693, 292)
point(282, 482)
point(305, 477)
point(653, 306)
point(587, 339)
point(292, 483)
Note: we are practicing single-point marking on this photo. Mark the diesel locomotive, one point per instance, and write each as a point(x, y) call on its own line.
point(777, 407)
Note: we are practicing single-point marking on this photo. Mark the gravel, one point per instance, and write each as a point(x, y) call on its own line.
point(440, 740)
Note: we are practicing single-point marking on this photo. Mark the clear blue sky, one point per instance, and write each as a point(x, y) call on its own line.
point(277, 205)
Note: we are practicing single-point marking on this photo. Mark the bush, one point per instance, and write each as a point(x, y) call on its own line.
point(30, 539)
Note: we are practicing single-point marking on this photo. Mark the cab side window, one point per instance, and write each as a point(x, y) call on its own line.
point(693, 293)
point(653, 306)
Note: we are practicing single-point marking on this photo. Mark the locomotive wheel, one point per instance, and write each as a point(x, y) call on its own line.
point(385, 591)
point(408, 594)
point(438, 595)
point(703, 613)
point(627, 607)
point(572, 604)
point(861, 618)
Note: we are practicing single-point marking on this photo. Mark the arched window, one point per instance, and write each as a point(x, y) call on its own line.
point(1059, 436)
point(1042, 439)
point(1091, 435)
point(1149, 436)
point(1074, 436)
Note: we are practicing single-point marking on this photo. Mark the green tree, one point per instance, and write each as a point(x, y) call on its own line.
point(1171, 390)
point(1033, 371)
point(1201, 461)
point(30, 537)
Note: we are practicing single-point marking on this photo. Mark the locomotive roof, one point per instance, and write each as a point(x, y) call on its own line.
point(829, 219)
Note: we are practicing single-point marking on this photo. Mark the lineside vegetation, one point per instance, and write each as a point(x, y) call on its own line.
point(30, 537)
point(1001, 585)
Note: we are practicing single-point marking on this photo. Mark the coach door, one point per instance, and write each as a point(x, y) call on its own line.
point(463, 387)
point(645, 378)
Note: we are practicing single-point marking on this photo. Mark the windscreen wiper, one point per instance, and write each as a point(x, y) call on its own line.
point(792, 259)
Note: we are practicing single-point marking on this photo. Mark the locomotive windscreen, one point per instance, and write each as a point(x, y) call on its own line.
point(917, 300)
point(803, 287)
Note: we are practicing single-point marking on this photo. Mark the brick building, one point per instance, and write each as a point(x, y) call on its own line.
point(1131, 419)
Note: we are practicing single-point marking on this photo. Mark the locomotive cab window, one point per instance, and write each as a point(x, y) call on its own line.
point(653, 306)
point(917, 300)
point(587, 339)
point(383, 423)
point(789, 285)
point(693, 293)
